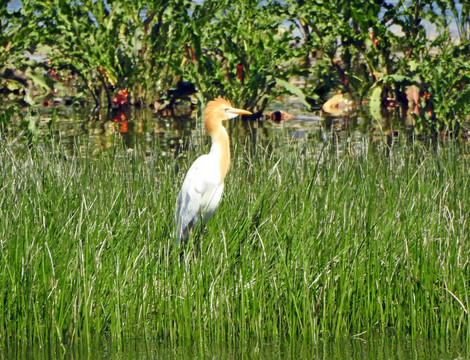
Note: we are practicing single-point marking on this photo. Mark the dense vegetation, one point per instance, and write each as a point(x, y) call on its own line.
point(306, 245)
point(245, 50)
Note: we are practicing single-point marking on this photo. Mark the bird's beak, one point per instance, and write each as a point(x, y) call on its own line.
point(240, 111)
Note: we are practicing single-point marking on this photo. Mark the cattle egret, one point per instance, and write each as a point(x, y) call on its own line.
point(203, 185)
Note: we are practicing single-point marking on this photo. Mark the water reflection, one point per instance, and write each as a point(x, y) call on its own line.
point(80, 132)
point(142, 129)
point(373, 348)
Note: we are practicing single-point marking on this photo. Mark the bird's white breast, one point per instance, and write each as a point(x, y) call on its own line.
point(201, 191)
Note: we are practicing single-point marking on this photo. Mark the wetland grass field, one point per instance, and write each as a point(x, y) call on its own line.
point(307, 244)
point(341, 222)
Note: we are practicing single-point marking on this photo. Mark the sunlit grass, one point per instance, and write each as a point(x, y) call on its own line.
point(306, 244)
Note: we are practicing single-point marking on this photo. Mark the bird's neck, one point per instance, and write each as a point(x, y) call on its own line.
point(221, 150)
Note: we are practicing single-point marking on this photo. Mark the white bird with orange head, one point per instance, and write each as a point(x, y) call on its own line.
point(204, 183)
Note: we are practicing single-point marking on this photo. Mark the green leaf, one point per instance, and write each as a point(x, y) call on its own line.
point(396, 79)
point(294, 90)
point(413, 64)
point(38, 79)
point(375, 104)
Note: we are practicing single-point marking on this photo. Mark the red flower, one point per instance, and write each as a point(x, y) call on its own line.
point(240, 72)
point(189, 52)
point(46, 103)
point(121, 97)
point(374, 38)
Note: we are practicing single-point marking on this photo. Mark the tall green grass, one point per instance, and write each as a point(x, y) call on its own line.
point(307, 244)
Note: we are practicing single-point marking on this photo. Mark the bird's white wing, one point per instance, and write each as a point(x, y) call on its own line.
point(200, 183)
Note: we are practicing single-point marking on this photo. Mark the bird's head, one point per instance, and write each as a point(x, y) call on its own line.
point(218, 110)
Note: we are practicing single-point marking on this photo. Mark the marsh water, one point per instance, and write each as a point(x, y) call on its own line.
point(82, 131)
point(367, 348)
